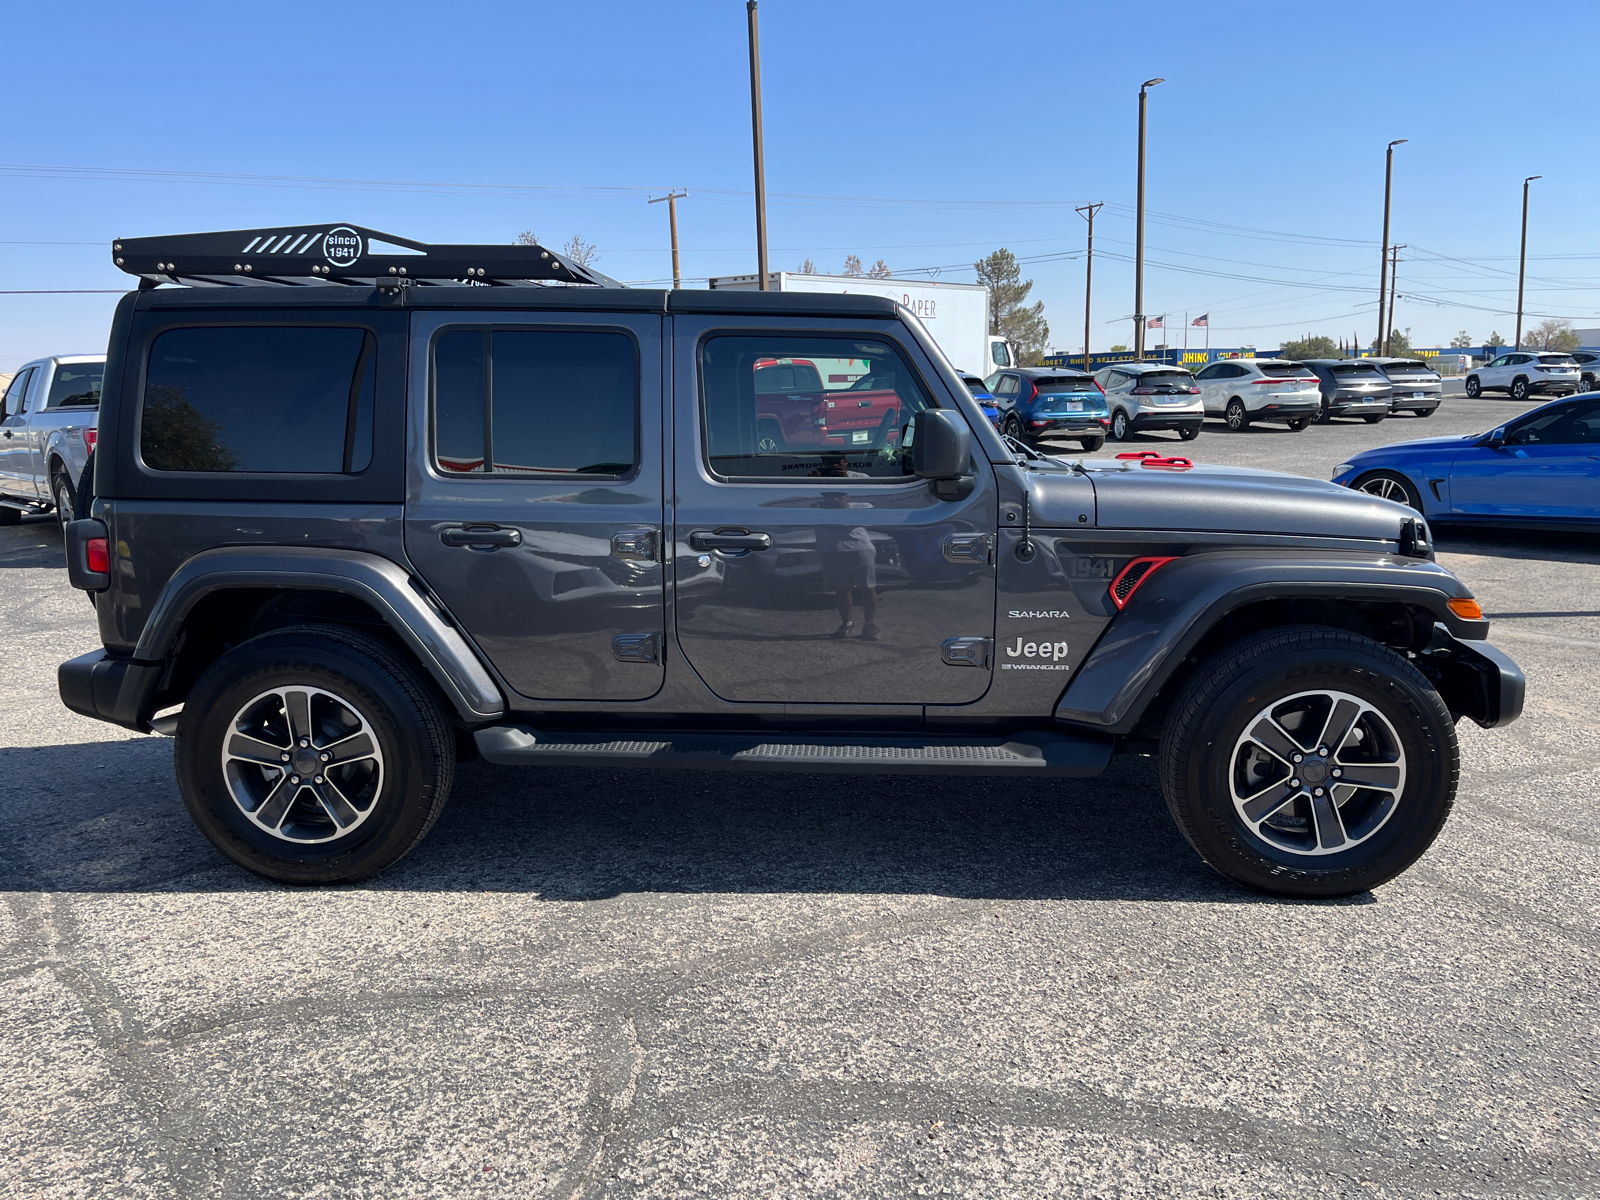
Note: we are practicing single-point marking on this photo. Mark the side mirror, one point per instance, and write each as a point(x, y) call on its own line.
point(1496, 438)
point(941, 444)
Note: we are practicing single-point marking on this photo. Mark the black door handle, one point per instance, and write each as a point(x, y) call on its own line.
point(729, 539)
point(480, 535)
point(8, 433)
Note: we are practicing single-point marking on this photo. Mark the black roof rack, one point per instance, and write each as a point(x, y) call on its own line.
point(313, 255)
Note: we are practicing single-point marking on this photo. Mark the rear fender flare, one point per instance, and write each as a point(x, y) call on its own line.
point(1180, 603)
point(388, 588)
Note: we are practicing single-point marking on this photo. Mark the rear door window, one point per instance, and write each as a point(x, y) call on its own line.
point(76, 385)
point(536, 402)
point(261, 399)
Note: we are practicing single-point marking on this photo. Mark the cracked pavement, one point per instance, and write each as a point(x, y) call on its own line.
point(607, 984)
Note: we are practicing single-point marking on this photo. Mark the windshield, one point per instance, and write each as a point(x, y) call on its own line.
point(76, 384)
point(1058, 386)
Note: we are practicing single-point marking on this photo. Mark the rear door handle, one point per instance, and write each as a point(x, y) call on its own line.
point(480, 535)
point(729, 539)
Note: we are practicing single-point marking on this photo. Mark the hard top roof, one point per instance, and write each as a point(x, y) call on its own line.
point(1052, 372)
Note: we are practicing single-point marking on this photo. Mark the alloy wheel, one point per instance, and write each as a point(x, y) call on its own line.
point(1387, 488)
point(1317, 773)
point(303, 764)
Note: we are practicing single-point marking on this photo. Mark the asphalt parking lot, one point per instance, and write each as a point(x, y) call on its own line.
point(588, 984)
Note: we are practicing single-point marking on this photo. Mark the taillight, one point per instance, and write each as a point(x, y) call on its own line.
point(1131, 576)
point(90, 437)
point(97, 555)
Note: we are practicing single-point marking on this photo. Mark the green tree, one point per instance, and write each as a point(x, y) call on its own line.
point(1461, 341)
point(176, 436)
point(1495, 341)
point(1010, 315)
point(1551, 334)
point(1399, 343)
point(1310, 346)
point(1119, 348)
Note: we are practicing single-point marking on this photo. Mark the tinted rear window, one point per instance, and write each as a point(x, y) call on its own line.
point(559, 402)
point(1057, 386)
point(1356, 370)
point(787, 377)
point(76, 385)
point(1408, 368)
point(1164, 379)
point(1557, 360)
point(1284, 370)
point(261, 399)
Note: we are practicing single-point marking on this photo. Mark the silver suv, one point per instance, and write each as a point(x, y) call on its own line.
point(1143, 396)
point(1241, 390)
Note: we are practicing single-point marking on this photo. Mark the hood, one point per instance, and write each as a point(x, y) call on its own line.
point(1216, 499)
point(1454, 441)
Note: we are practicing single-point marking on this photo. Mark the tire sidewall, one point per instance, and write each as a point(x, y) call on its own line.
point(253, 669)
point(1427, 738)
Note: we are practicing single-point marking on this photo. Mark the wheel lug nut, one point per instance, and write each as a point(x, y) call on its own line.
point(1337, 773)
point(1318, 792)
point(294, 779)
point(284, 757)
point(318, 779)
point(326, 756)
point(1322, 750)
point(1299, 758)
point(1294, 783)
point(305, 741)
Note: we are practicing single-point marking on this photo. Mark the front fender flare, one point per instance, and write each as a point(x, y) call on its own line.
point(1181, 602)
point(380, 582)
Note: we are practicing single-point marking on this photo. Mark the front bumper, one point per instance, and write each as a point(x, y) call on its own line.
point(118, 690)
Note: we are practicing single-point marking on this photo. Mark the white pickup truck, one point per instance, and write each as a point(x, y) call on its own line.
point(47, 432)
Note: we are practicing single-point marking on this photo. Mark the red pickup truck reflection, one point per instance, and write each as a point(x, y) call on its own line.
point(795, 412)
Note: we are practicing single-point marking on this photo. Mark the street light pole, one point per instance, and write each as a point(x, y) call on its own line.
point(1383, 259)
point(755, 126)
point(1522, 258)
point(1138, 261)
point(1394, 283)
point(1087, 212)
point(672, 199)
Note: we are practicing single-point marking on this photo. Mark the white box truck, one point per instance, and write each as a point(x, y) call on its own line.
point(956, 314)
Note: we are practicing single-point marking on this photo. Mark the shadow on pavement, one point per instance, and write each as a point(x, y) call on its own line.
point(1548, 546)
point(106, 818)
point(34, 542)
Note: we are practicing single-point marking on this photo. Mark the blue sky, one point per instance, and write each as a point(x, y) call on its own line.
point(926, 134)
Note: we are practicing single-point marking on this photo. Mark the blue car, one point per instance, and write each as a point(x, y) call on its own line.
point(1538, 471)
point(980, 393)
point(1039, 402)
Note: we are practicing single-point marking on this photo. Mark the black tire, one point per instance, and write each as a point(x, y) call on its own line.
point(1188, 433)
point(1474, 388)
point(1091, 444)
point(1014, 429)
point(382, 688)
point(65, 501)
point(1424, 412)
point(9, 516)
point(1299, 424)
point(1120, 429)
point(1324, 415)
point(84, 497)
point(1375, 418)
point(1389, 485)
point(1206, 762)
point(1586, 384)
point(1236, 415)
point(1519, 389)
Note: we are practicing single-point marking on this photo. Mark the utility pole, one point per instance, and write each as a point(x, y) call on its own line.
point(1383, 259)
point(1087, 212)
point(1138, 263)
point(1394, 278)
point(672, 199)
point(1522, 258)
point(755, 126)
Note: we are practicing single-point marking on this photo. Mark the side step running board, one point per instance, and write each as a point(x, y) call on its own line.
point(1032, 753)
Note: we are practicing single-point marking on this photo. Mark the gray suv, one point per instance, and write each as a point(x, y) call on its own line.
point(349, 531)
point(1351, 387)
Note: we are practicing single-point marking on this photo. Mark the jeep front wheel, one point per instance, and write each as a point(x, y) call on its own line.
point(313, 755)
point(1309, 762)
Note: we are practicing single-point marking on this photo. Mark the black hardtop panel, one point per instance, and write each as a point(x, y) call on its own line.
point(808, 304)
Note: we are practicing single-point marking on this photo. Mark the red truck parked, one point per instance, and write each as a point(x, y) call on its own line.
point(794, 411)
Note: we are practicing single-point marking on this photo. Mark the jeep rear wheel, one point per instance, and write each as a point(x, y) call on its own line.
point(313, 755)
point(1309, 762)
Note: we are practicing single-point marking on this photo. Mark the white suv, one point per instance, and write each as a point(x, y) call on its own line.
point(1527, 373)
point(1142, 396)
point(1241, 390)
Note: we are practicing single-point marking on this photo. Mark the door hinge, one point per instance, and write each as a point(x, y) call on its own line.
point(968, 652)
point(636, 647)
point(639, 545)
point(969, 547)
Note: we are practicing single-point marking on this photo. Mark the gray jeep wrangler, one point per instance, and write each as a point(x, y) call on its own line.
point(415, 503)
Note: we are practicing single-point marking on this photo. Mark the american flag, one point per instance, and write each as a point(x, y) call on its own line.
point(1153, 323)
point(1203, 320)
